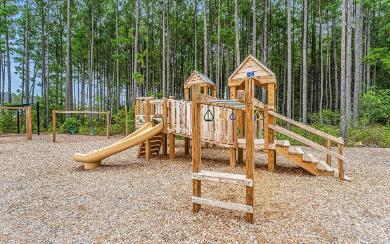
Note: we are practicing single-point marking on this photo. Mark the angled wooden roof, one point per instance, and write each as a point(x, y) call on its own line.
point(254, 69)
point(197, 78)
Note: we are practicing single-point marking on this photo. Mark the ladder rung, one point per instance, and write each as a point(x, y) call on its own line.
point(225, 205)
point(222, 178)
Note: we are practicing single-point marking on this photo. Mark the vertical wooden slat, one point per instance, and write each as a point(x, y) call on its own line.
point(147, 120)
point(266, 128)
point(329, 147)
point(341, 162)
point(196, 144)
point(271, 133)
point(165, 125)
point(249, 136)
point(233, 151)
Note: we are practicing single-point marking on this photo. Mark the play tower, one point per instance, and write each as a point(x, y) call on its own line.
point(242, 123)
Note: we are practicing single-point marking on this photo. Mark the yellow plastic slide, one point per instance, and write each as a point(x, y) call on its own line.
point(92, 159)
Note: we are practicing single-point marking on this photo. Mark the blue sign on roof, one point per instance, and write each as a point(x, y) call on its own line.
point(250, 74)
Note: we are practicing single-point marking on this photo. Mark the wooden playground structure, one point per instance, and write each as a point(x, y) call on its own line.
point(28, 117)
point(240, 123)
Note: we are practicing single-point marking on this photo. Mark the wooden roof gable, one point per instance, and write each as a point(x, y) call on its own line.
point(252, 68)
point(198, 78)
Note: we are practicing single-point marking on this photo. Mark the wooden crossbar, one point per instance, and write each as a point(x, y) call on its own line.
point(224, 205)
point(81, 112)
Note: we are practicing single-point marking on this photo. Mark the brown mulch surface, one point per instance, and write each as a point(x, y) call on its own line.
point(46, 197)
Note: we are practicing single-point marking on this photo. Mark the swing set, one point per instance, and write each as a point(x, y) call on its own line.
point(28, 117)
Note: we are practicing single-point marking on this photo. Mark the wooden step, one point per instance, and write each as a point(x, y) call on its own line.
point(221, 177)
point(224, 205)
point(322, 166)
point(282, 143)
point(295, 150)
point(309, 158)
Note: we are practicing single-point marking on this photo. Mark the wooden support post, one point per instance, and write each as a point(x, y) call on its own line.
point(54, 125)
point(206, 92)
point(186, 139)
point(241, 127)
point(165, 123)
point(266, 128)
point(329, 147)
point(233, 151)
point(271, 133)
point(127, 122)
point(196, 145)
point(28, 121)
point(249, 138)
point(341, 162)
point(148, 152)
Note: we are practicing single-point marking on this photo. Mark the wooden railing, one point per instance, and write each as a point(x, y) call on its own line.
point(327, 149)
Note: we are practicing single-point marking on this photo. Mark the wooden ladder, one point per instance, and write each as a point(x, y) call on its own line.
point(213, 176)
point(199, 175)
point(155, 142)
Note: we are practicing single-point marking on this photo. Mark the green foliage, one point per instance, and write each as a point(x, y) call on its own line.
point(375, 106)
point(373, 136)
point(119, 121)
point(8, 121)
point(328, 116)
point(71, 125)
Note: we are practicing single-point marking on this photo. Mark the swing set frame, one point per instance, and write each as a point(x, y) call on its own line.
point(28, 116)
point(55, 112)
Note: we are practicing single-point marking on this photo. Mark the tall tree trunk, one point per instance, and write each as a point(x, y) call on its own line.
point(135, 65)
point(320, 102)
point(47, 87)
point(254, 27)
point(348, 75)
point(43, 54)
point(195, 34)
point(358, 60)
point(27, 55)
point(218, 66)
point(289, 61)
point(69, 82)
point(2, 83)
point(304, 64)
point(343, 67)
point(205, 57)
point(336, 81)
point(90, 63)
point(8, 68)
point(164, 81)
point(368, 46)
point(237, 39)
point(265, 33)
point(117, 55)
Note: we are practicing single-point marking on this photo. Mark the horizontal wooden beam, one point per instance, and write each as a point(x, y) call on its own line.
point(225, 205)
point(221, 177)
point(79, 112)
